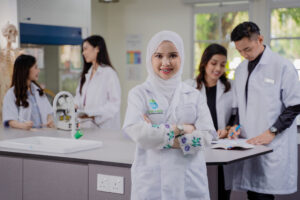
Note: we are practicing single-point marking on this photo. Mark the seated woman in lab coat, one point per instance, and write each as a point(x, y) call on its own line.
point(216, 88)
point(167, 118)
point(98, 95)
point(25, 105)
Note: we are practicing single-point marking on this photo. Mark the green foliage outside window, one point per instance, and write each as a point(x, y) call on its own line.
point(285, 34)
point(216, 28)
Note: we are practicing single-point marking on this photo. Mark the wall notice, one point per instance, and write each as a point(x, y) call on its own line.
point(133, 57)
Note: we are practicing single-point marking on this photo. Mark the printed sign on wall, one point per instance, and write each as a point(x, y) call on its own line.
point(133, 56)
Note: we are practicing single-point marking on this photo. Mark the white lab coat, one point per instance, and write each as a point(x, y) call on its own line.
point(166, 173)
point(224, 101)
point(103, 99)
point(272, 86)
point(13, 112)
point(224, 105)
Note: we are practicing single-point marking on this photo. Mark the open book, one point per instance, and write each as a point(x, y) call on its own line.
point(231, 144)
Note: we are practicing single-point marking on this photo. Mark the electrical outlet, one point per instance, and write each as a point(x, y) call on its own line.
point(113, 184)
point(102, 183)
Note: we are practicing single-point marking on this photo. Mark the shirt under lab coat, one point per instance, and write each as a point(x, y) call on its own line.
point(100, 97)
point(273, 86)
point(19, 113)
point(166, 173)
point(224, 102)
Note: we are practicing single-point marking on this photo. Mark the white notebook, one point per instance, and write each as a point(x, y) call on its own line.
point(231, 144)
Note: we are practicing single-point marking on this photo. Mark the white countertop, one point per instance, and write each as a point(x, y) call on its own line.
point(116, 150)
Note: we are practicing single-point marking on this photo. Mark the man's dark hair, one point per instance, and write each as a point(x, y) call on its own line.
point(245, 29)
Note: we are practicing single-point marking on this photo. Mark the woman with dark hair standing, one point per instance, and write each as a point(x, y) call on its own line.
point(98, 95)
point(25, 105)
point(216, 88)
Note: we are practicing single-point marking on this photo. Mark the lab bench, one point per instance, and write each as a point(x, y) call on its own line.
point(29, 175)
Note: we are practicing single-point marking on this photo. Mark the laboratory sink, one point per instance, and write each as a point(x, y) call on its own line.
point(50, 144)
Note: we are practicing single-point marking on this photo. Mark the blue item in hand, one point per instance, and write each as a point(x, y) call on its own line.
point(236, 129)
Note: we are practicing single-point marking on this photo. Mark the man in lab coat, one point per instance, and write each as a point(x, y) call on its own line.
point(267, 93)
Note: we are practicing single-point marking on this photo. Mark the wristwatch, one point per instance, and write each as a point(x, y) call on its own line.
point(274, 130)
point(181, 130)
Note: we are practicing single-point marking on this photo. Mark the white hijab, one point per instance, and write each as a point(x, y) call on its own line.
point(166, 87)
point(170, 89)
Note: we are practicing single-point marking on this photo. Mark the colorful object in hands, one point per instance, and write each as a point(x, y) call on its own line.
point(236, 129)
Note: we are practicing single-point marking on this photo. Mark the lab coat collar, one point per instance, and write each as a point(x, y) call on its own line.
point(220, 89)
point(33, 88)
point(88, 74)
point(265, 58)
point(187, 88)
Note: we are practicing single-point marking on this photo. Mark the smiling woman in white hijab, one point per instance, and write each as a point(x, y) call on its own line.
point(167, 119)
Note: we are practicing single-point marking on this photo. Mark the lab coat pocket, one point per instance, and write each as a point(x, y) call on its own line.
point(186, 114)
point(268, 84)
point(146, 183)
point(269, 81)
point(270, 89)
point(279, 148)
point(196, 179)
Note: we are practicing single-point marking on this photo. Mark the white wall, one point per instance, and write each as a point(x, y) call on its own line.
point(259, 13)
point(74, 13)
point(99, 18)
point(8, 12)
point(144, 17)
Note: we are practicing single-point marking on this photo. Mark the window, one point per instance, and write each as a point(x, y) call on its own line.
point(213, 24)
point(285, 34)
point(70, 66)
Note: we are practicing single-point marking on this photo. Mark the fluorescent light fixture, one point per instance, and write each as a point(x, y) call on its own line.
point(108, 1)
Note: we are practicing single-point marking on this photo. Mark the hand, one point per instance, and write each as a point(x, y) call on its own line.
point(50, 124)
point(85, 116)
point(146, 118)
point(27, 125)
point(222, 133)
point(176, 144)
point(264, 138)
point(232, 134)
point(188, 128)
